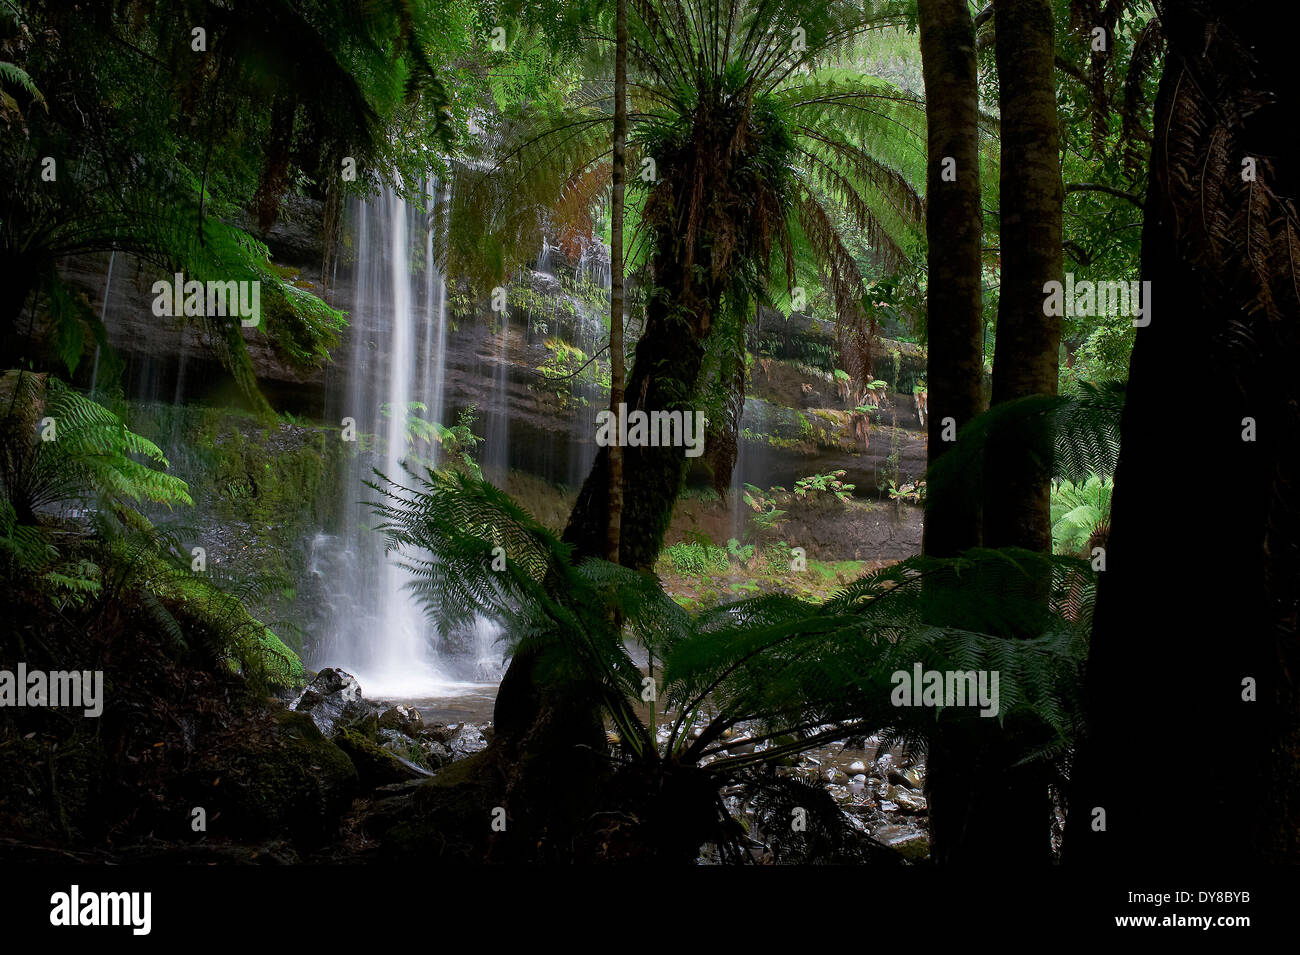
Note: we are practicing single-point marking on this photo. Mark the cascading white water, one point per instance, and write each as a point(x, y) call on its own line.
point(590, 334)
point(379, 631)
point(751, 463)
point(435, 299)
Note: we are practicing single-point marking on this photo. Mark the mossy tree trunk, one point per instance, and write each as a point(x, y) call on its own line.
point(617, 371)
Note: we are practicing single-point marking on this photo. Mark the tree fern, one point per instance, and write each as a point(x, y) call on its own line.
point(1079, 512)
point(59, 447)
point(792, 674)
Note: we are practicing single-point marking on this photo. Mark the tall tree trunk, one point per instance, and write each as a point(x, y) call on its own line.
point(617, 372)
point(1200, 592)
point(1001, 810)
point(954, 223)
point(1026, 356)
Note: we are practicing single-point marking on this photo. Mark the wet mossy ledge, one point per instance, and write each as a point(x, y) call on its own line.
point(262, 487)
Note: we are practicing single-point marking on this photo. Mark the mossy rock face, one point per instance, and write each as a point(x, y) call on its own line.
point(448, 819)
point(375, 765)
point(278, 777)
point(262, 487)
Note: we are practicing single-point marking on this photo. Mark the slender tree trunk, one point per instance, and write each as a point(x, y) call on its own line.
point(18, 277)
point(954, 222)
point(1200, 590)
point(617, 372)
point(1017, 499)
point(997, 809)
point(954, 225)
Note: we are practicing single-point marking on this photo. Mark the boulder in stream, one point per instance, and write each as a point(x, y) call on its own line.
point(333, 700)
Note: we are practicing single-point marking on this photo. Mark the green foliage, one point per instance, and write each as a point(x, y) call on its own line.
point(1079, 511)
point(204, 615)
point(178, 166)
point(458, 443)
point(770, 171)
point(742, 552)
point(59, 447)
point(13, 76)
point(763, 504)
point(1069, 436)
point(909, 491)
point(696, 559)
point(816, 486)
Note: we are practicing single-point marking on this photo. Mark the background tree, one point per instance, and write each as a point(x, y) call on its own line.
point(985, 803)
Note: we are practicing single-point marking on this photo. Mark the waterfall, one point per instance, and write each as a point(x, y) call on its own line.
point(590, 334)
point(496, 456)
point(752, 465)
point(379, 632)
point(103, 320)
point(435, 297)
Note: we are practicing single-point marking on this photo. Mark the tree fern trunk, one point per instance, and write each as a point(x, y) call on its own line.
point(668, 360)
point(617, 373)
point(1200, 593)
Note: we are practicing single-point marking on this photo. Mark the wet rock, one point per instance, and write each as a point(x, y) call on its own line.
point(396, 741)
point(465, 740)
point(435, 753)
point(906, 840)
point(856, 767)
point(740, 745)
point(907, 801)
point(333, 701)
point(912, 777)
point(404, 719)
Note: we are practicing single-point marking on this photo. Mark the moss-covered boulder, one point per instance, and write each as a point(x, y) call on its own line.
point(279, 776)
point(376, 766)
